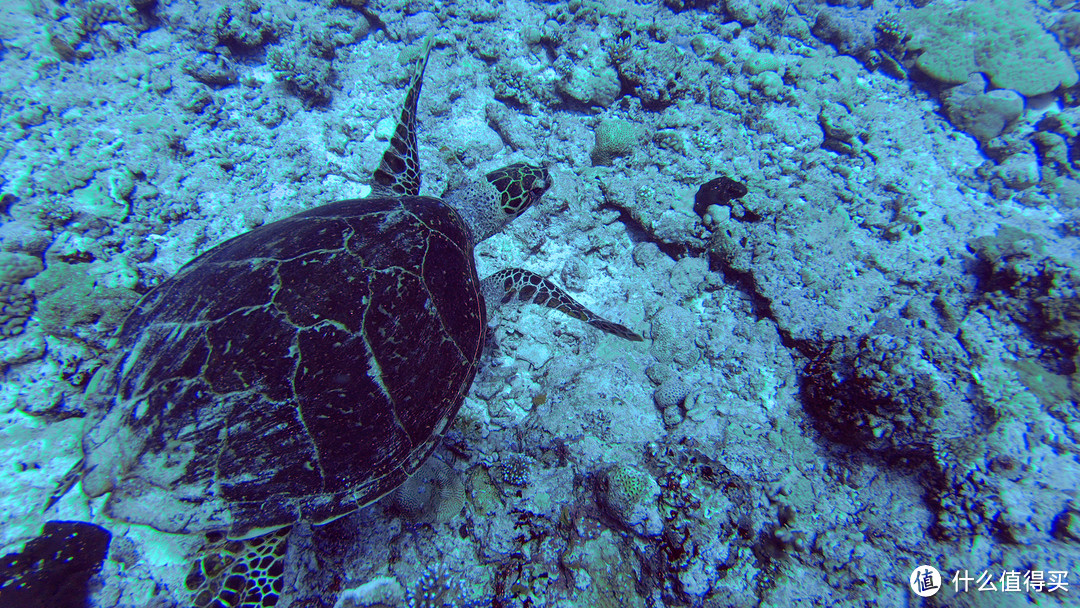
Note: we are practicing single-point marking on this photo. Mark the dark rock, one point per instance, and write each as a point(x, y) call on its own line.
point(54, 569)
point(717, 192)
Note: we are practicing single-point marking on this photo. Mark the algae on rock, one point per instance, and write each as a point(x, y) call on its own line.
point(997, 37)
point(72, 294)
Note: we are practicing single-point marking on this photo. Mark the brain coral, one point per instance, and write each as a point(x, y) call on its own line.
point(14, 267)
point(434, 493)
point(997, 37)
point(632, 497)
point(15, 307)
point(614, 138)
point(671, 393)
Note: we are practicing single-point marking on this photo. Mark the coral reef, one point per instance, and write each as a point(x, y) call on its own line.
point(631, 495)
point(997, 37)
point(892, 391)
point(1036, 291)
point(614, 138)
point(862, 339)
point(434, 493)
point(15, 307)
point(16, 267)
point(69, 295)
point(515, 469)
point(984, 114)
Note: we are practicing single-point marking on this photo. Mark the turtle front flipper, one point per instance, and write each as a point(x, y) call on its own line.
point(399, 172)
point(510, 283)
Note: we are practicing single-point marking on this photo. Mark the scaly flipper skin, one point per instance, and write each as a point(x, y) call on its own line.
point(239, 572)
point(510, 283)
point(399, 172)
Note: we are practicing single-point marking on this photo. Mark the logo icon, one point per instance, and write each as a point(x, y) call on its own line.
point(925, 581)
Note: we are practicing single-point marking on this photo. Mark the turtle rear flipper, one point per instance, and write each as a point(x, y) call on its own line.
point(510, 283)
point(239, 572)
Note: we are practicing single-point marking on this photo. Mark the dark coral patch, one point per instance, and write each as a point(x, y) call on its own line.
point(54, 569)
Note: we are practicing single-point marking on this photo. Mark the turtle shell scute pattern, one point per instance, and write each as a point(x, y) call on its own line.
point(298, 371)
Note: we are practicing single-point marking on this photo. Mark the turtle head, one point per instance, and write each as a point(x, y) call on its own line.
point(519, 185)
point(502, 195)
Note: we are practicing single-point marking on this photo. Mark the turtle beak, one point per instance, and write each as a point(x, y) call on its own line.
point(540, 183)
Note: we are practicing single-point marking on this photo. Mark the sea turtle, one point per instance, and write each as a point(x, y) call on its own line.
point(306, 368)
